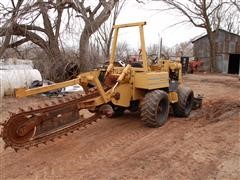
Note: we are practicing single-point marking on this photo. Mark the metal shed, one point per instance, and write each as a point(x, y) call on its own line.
point(227, 48)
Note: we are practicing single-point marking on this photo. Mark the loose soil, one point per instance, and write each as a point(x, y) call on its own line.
point(205, 145)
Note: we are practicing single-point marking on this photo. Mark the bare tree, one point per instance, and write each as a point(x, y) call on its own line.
point(7, 29)
point(93, 18)
point(24, 24)
point(105, 32)
point(166, 52)
point(40, 22)
point(123, 51)
point(203, 14)
point(236, 3)
point(183, 49)
point(231, 17)
point(153, 49)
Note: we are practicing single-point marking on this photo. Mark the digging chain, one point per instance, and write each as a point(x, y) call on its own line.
point(16, 136)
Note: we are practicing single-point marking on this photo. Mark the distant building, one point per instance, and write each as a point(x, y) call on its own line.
point(227, 48)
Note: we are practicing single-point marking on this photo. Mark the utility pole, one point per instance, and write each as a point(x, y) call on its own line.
point(160, 46)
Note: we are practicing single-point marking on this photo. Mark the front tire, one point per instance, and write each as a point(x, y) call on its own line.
point(185, 102)
point(155, 108)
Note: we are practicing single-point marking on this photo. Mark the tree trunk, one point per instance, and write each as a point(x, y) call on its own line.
point(6, 41)
point(213, 58)
point(109, 42)
point(84, 57)
point(212, 53)
point(54, 65)
point(92, 24)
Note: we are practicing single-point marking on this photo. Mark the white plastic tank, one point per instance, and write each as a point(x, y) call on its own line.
point(1, 88)
point(16, 73)
point(11, 79)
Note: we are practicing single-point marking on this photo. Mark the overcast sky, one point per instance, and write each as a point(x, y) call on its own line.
point(158, 24)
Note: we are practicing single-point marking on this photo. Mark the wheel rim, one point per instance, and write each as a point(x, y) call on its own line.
point(189, 101)
point(162, 109)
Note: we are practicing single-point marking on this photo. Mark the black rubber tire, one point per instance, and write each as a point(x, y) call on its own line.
point(155, 108)
point(118, 111)
point(185, 102)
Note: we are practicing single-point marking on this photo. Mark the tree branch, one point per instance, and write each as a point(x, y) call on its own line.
point(9, 29)
point(18, 43)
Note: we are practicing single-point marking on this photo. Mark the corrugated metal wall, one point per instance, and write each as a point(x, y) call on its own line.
point(226, 44)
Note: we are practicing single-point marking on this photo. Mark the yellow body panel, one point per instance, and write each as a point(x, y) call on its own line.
point(125, 95)
point(151, 80)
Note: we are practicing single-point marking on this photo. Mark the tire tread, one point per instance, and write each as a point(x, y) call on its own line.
point(148, 108)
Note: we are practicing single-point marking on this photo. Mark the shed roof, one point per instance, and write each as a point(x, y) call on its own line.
point(203, 36)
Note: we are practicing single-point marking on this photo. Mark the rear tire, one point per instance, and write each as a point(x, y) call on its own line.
point(155, 108)
point(185, 102)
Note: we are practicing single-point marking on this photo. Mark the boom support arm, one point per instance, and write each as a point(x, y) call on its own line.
point(82, 79)
point(22, 92)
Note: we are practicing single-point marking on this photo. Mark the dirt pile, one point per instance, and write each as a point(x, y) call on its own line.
point(216, 110)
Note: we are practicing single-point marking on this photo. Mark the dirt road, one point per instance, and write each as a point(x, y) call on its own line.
point(204, 146)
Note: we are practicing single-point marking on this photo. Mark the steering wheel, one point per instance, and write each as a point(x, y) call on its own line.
point(153, 58)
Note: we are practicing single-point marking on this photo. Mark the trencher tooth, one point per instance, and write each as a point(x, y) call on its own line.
point(5, 146)
point(20, 110)
point(30, 108)
point(11, 113)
